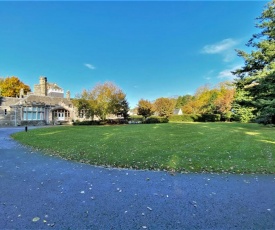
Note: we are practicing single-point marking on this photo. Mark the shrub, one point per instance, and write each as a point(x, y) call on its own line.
point(228, 116)
point(152, 120)
point(211, 117)
point(116, 121)
point(109, 122)
point(136, 119)
point(86, 122)
point(185, 118)
point(244, 115)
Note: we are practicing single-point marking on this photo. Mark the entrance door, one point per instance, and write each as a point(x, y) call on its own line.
point(61, 116)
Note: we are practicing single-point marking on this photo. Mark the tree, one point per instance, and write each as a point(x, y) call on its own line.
point(224, 100)
point(145, 108)
point(255, 84)
point(183, 100)
point(103, 99)
point(164, 106)
point(107, 99)
point(120, 105)
point(217, 100)
point(85, 105)
point(11, 86)
point(202, 102)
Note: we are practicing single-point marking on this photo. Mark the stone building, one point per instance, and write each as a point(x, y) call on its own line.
point(46, 105)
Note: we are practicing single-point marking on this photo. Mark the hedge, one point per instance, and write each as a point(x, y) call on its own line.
point(195, 118)
point(155, 119)
point(185, 118)
point(211, 117)
point(107, 122)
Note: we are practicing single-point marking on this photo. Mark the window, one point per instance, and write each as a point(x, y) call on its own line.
point(33, 113)
point(61, 114)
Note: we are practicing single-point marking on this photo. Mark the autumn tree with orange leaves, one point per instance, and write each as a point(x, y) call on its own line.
point(164, 106)
point(217, 100)
point(11, 86)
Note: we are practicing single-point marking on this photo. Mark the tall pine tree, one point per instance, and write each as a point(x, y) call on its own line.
point(255, 97)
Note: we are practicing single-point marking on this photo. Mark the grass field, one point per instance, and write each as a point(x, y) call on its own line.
point(180, 147)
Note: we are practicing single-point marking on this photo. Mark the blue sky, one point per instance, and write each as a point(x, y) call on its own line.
point(149, 49)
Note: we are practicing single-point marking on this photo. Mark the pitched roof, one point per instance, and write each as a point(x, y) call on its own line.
point(30, 99)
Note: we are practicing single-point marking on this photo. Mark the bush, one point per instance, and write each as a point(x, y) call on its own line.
point(185, 118)
point(135, 119)
point(244, 115)
point(116, 121)
point(86, 122)
point(152, 120)
point(109, 122)
point(211, 117)
point(228, 116)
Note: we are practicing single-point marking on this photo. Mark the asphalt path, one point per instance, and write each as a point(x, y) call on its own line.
point(44, 192)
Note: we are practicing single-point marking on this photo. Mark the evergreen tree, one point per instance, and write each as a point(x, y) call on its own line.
point(124, 109)
point(255, 85)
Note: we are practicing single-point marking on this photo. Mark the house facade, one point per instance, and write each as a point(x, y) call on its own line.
point(46, 105)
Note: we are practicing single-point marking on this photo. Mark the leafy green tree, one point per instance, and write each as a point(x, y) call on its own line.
point(255, 83)
point(106, 97)
point(183, 100)
point(85, 105)
point(205, 99)
point(103, 99)
point(145, 108)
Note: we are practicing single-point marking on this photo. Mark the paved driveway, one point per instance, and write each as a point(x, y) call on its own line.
point(44, 192)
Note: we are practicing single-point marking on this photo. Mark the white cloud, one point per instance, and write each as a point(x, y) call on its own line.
point(227, 73)
point(89, 66)
point(219, 47)
point(224, 47)
point(208, 75)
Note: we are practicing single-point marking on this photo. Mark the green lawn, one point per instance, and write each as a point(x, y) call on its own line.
point(181, 147)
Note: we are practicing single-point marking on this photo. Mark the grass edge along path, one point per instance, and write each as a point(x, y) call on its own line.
point(175, 147)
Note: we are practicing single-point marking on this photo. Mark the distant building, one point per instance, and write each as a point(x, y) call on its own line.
point(177, 112)
point(46, 105)
point(132, 112)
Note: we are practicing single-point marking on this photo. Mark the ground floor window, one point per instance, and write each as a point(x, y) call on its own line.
point(61, 114)
point(33, 113)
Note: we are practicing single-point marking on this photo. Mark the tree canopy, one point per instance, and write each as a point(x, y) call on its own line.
point(164, 106)
point(145, 108)
point(207, 100)
point(11, 86)
point(103, 99)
